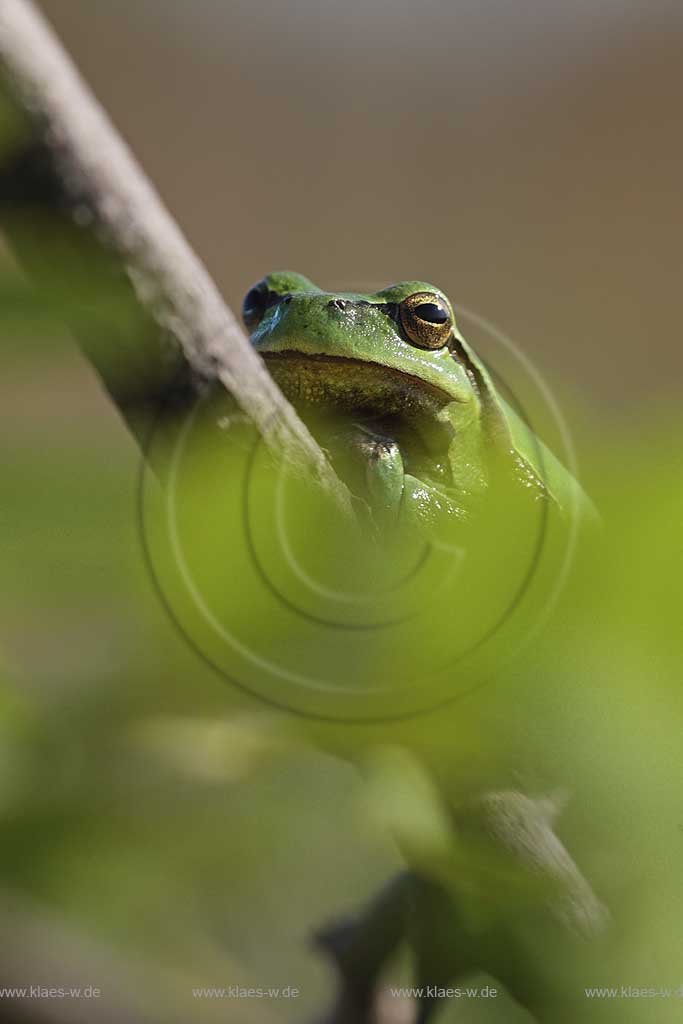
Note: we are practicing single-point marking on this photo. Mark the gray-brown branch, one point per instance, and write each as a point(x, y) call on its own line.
point(72, 162)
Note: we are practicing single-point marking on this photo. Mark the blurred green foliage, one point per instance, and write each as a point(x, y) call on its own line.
point(151, 808)
point(185, 825)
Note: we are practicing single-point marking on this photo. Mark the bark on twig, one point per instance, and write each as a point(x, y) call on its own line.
point(95, 174)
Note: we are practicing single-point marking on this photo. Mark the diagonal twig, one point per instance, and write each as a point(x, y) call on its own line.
point(96, 175)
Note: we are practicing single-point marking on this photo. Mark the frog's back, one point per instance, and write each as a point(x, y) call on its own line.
point(560, 484)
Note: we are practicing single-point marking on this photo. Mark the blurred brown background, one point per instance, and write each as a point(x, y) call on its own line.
point(527, 157)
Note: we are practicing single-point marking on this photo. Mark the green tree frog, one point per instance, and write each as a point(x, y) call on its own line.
point(429, 431)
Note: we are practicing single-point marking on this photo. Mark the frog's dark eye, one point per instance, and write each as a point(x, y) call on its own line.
point(426, 320)
point(431, 312)
point(256, 301)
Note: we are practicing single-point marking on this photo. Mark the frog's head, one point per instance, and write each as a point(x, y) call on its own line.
point(393, 352)
point(397, 364)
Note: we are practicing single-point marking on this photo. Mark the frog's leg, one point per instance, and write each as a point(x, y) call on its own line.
point(384, 472)
point(397, 498)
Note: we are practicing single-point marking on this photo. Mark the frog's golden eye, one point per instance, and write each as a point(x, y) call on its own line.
point(256, 301)
point(426, 320)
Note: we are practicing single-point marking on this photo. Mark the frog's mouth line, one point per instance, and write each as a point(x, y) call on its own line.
point(354, 385)
point(378, 398)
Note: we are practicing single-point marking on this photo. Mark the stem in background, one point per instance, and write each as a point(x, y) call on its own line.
point(94, 175)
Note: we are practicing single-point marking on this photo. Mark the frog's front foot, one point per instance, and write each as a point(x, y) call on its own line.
point(397, 500)
point(374, 471)
point(384, 476)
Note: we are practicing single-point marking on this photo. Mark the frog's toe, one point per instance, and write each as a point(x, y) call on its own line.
point(384, 475)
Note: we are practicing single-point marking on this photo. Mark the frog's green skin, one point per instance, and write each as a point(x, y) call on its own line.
point(352, 352)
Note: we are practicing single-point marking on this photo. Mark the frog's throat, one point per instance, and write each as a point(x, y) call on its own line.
point(354, 384)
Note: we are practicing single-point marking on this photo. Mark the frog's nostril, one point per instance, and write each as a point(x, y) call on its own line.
point(337, 304)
